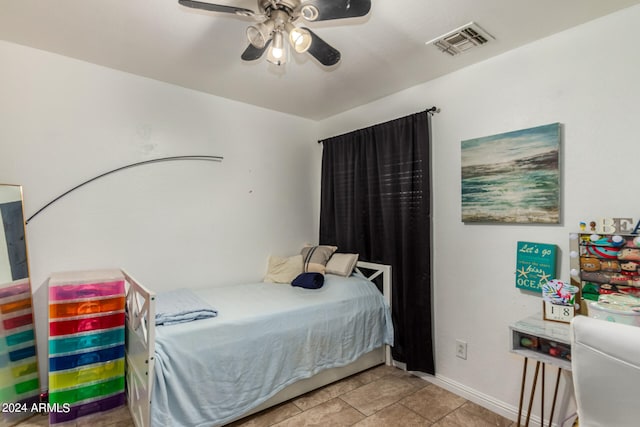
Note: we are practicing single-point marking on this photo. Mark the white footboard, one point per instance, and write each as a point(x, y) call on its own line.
point(140, 350)
point(385, 271)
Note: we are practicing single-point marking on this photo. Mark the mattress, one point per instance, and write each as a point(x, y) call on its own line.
point(266, 336)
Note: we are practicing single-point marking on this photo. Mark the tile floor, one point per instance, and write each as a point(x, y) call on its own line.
point(382, 396)
point(118, 417)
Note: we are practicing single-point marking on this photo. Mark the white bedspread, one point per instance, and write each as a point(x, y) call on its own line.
point(265, 337)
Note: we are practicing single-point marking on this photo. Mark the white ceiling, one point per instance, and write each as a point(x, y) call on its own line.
point(382, 53)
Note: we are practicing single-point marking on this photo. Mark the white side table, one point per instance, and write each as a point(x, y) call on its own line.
point(547, 333)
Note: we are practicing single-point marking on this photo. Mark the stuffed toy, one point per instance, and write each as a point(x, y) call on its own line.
point(628, 254)
point(610, 265)
point(613, 241)
point(623, 279)
point(588, 263)
point(607, 252)
point(595, 276)
point(607, 288)
point(590, 291)
point(629, 290)
point(629, 268)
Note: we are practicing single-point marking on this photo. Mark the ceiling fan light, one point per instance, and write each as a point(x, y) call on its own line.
point(309, 12)
point(260, 33)
point(277, 52)
point(300, 39)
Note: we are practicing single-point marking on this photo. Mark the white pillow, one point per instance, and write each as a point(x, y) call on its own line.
point(342, 264)
point(283, 269)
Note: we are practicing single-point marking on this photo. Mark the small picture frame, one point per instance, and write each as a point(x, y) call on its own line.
point(557, 312)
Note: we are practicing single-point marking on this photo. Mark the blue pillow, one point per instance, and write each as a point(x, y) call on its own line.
point(309, 280)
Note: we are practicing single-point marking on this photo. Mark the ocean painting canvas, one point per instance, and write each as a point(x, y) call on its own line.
point(512, 177)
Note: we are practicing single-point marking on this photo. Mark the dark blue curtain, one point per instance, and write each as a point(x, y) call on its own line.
point(375, 201)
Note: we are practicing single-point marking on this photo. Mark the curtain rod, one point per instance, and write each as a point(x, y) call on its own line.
point(431, 111)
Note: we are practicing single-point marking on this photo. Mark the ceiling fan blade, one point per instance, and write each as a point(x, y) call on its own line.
point(216, 7)
point(337, 9)
point(322, 51)
point(251, 53)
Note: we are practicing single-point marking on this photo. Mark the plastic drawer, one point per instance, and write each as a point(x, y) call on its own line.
point(21, 304)
point(17, 321)
point(25, 369)
point(80, 342)
point(16, 417)
point(12, 290)
point(30, 400)
point(84, 409)
point(27, 386)
point(9, 374)
point(19, 338)
point(78, 377)
point(11, 393)
point(62, 363)
point(68, 327)
point(88, 290)
point(91, 306)
point(23, 353)
point(6, 376)
point(4, 360)
point(8, 394)
point(71, 396)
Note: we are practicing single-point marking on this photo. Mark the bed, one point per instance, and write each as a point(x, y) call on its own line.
point(269, 343)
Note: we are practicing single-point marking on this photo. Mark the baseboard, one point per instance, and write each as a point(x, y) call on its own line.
point(484, 400)
point(489, 402)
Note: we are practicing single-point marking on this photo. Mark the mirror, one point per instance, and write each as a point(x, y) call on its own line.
point(19, 383)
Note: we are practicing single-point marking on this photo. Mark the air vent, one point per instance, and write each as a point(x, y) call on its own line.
point(462, 39)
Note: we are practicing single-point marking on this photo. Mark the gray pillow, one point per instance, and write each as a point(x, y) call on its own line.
point(315, 258)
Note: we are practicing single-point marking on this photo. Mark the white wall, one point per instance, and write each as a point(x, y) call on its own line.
point(584, 78)
point(64, 121)
point(169, 224)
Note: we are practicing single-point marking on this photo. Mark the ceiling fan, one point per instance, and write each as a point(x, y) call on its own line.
point(275, 22)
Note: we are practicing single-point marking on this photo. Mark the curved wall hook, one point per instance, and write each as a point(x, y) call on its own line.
point(146, 162)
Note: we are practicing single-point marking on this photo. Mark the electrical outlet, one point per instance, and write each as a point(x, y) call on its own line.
point(461, 349)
